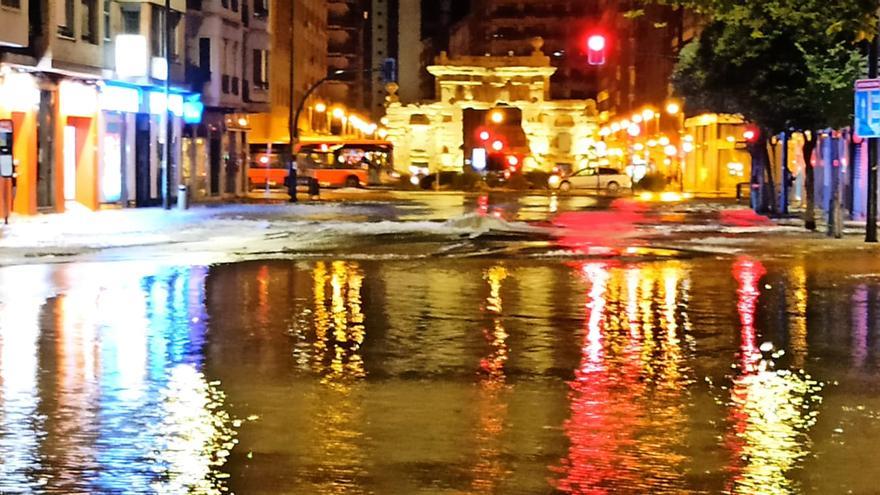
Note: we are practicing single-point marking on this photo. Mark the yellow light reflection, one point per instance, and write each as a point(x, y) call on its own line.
point(195, 436)
point(339, 321)
point(491, 406)
point(770, 411)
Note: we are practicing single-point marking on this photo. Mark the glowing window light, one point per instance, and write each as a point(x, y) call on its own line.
point(157, 103)
point(131, 56)
point(120, 99)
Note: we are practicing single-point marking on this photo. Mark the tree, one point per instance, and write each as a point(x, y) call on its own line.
point(782, 64)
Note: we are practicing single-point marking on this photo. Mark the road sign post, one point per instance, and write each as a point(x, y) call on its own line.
point(867, 125)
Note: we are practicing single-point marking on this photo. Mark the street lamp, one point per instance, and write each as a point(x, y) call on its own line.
point(497, 116)
point(673, 107)
point(320, 107)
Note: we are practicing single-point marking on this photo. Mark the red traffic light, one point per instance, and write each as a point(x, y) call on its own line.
point(596, 45)
point(750, 134)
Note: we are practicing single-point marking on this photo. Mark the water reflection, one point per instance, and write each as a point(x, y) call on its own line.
point(771, 411)
point(449, 376)
point(632, 368)
point(490, 470)
point(88, 376)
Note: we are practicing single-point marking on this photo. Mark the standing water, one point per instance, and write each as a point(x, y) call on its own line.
point(441, 376)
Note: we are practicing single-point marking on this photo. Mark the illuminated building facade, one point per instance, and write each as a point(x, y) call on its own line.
point(719, 160)
point(496, 105)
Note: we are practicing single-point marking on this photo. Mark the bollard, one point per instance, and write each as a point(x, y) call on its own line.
point(314, 188)
point(182, 197)
point(292, 183)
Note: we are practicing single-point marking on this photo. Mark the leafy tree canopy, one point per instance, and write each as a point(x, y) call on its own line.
point(780, 63)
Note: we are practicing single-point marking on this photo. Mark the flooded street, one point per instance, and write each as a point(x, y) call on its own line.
point(443, 376)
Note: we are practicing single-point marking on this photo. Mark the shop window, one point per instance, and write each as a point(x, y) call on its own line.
point(15, 4)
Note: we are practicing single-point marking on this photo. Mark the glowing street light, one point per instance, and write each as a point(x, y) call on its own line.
point(320, 107)
point(673, 107)
point(497, 116)
point(634, 130)
point(484, 135)
point(497, 145)
point(648, 114)
point(338, 113)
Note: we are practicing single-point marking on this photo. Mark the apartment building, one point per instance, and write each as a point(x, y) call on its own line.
point(504, 28)
point(348, 24)
point(641, 55)
point(228, 52)
point(298, 60)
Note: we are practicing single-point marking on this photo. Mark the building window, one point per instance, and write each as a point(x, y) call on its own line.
point(261, 8)
point(15, 4)
point(261, 69)
point(235, 5)
point(108, 35)
point(89, 21)
point(65, 18)
point(157, 33)
point(131, 18)
point(235, 85)
point(205, 53)
point(225, 4)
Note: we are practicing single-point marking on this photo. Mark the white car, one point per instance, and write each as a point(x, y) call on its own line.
point(599, 179)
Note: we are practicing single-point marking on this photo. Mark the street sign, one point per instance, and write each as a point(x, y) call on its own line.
point(867, 112)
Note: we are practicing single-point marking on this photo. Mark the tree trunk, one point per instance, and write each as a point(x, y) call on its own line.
point(768, 168)
point(810, 180)
point(760, 160)
point(835, 214)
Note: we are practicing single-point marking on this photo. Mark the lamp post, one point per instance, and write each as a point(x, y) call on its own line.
point(167, 176)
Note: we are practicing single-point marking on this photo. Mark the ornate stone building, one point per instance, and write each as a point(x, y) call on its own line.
point(471, 93)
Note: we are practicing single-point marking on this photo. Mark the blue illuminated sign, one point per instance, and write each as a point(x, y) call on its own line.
point(193, 110)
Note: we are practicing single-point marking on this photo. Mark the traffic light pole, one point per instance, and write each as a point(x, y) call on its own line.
point(873, 154)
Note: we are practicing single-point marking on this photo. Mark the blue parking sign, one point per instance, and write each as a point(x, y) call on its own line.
point(867, 108)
